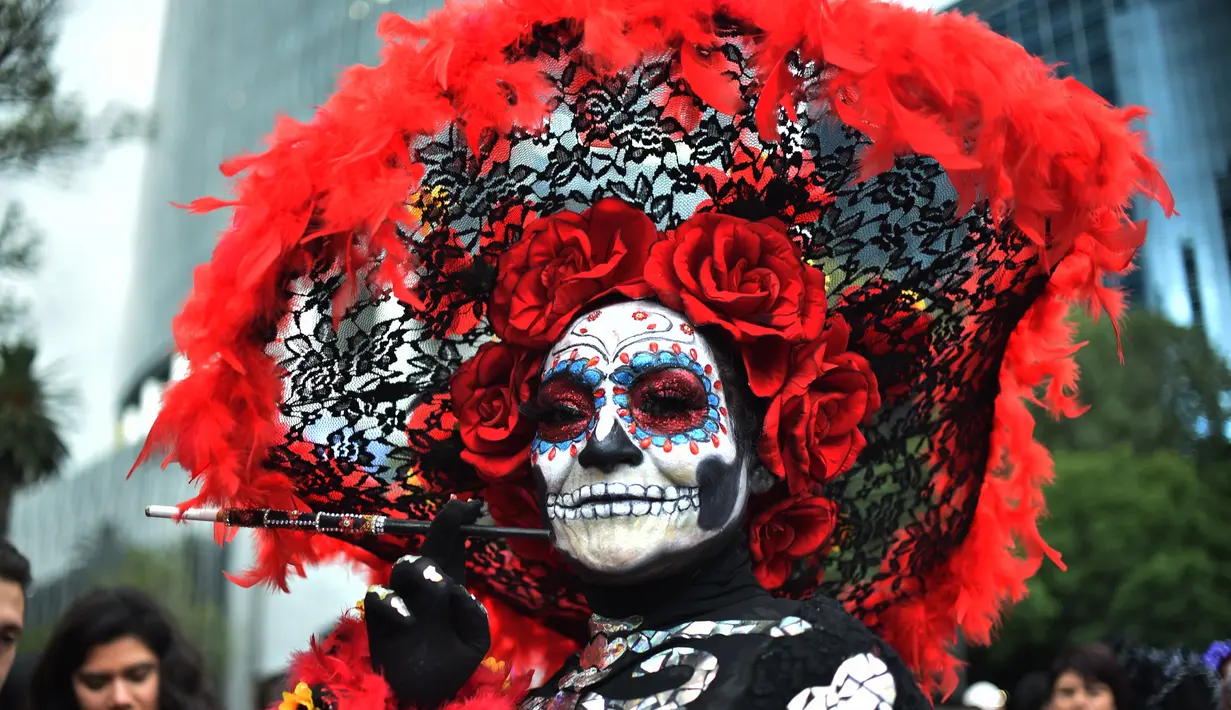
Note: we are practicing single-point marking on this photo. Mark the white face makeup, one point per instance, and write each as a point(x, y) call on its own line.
point(636, 449)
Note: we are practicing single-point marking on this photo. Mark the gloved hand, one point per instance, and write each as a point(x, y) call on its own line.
point(426, 633)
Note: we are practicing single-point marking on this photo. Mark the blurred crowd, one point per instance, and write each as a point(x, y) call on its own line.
point(118, 649)
point(1121, 676)
point(114, 649)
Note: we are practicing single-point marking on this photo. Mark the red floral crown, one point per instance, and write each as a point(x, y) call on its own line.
point(747, 278)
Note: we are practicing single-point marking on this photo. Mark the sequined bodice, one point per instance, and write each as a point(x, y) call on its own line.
point(702, 665)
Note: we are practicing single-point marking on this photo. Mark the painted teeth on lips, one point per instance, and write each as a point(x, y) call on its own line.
point(606, 500)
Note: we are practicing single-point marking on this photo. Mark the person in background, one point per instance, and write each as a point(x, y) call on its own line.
point(1165, 678)
point(1218, 659)
point(14, 583)
point(1032, 692)
point(116, 649)
point(1089, 677)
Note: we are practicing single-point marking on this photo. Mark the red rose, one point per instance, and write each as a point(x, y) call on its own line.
point(747, 278)
point(516, 506)
point(811, 432)
point(565, 261)
point(487, 391)
point(792, 528)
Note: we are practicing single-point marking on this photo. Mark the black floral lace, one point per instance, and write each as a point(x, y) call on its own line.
point(932, 297)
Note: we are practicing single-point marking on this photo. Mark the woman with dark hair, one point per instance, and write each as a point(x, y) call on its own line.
point(118, 649)
point(1166, 678)
point(1089, 677)
point(1032, 692)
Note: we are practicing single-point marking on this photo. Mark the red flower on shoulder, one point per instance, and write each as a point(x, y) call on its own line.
point(487, 391)
point(811, 433)
point(787, 531)
point(563, 262)
point(747, 278)
point(517, 506)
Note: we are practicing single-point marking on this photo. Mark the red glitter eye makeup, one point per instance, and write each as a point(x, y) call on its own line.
point(671, 401)
point(568, 409)
point(667, 399)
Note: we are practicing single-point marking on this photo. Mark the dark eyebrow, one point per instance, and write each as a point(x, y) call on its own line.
point(595, 344)
point(11, 627)
point(94, 678)
point(143, 666)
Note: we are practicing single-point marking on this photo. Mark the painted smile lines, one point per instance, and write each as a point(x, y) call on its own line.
point(607, 500)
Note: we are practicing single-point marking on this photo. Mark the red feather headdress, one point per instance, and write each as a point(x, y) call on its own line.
point(955, 197)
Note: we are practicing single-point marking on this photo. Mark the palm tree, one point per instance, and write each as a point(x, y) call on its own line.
point(30, 445)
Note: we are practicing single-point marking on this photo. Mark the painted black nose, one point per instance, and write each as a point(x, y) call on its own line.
point(615, 449)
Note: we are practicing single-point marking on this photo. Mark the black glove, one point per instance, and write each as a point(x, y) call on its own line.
point(427, 634)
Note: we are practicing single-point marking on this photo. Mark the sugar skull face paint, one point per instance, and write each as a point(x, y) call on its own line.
point(635, 448)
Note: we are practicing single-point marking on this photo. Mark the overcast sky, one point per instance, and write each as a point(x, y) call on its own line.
point(108, 53)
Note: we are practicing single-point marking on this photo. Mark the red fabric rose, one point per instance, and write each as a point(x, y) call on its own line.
point(565, 261)
point(811, 432)
point(516, 506)
point(790, 529)
point(747, 278)
point(487, 391)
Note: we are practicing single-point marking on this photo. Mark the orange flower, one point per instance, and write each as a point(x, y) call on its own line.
point(301, 698)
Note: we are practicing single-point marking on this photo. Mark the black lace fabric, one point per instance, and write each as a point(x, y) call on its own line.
point(932, 297)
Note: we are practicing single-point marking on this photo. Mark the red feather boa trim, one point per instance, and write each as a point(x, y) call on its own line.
point(1047, 152)
point(342, 667)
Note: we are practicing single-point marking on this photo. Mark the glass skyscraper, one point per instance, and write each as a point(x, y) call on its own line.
point(227, 69)
point(1172, 57)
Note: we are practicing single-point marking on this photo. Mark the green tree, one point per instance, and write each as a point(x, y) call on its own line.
point(1171, 392)
point(1146, 542)
point(40, 125)
point(1139, 506)
point(30, 443)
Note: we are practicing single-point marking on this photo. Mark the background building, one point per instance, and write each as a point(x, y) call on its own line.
point(227, 69)
point(1172, 57)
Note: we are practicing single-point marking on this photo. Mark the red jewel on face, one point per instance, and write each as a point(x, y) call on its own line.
point(572, 450)
point(717, 385)
point(645, 443)
point(667, 447)
point(583, 331)
point(692, 354)
point(686, 329)
point(551, 454)
point(651, 326)
point(714, 439)
point(675, 348)
point(640, 315)
point(709, 369)
point(653, 347)
point(624, 358)
point(692, 446)
point(592, 362)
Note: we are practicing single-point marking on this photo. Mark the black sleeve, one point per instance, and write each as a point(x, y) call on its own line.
point(837, 665)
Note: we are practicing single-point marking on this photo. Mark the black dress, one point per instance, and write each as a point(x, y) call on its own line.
point(713, 638)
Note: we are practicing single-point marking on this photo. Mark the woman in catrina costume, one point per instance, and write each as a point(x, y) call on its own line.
point(741, 300)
